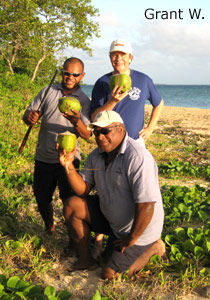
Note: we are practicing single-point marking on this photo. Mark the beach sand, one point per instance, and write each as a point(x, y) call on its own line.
point(193, 119)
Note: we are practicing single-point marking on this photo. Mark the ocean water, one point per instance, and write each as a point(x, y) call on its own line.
point(197, 96)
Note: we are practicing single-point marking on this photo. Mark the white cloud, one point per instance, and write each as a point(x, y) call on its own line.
point(172, 51)
point(173, 39)
point(109, 20)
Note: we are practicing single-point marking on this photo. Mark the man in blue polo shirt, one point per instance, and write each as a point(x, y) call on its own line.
point(128, 205)
point(130, 105)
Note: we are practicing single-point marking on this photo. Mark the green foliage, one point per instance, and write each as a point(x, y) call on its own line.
point(97, 296)
point(15, 288)
point(189, 246)
point(178, 168)
point(17, 83)
point(83, 160)
point(16, 180)
point(182, 204)
point(35, 31)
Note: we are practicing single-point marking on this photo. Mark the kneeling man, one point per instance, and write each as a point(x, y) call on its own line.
point(128, 207)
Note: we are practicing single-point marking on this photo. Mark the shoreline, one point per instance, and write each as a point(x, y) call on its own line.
point(206, 110)
point(184, 107)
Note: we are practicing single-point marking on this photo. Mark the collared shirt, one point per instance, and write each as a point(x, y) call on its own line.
point(132, 177)
point(53, 122)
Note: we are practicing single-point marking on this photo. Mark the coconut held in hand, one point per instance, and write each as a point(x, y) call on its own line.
point(123, 80)
point(66, 104)
point(67, 141)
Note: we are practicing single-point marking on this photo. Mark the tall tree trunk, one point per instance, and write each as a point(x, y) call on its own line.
point(37, 67)
point(14, 51)
point(10, 66)
point(8, 62)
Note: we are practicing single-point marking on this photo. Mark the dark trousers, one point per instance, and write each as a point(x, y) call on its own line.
point(46, 178)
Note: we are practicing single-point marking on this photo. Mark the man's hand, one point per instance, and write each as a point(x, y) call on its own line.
point(72, 118)
point(66, 159)
point(145, 133)
point(124, 243)
point(117, 95)
point(33, 117)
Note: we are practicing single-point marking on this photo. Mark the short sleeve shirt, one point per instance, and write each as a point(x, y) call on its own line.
point(131, 178)
point(53, 122)
point(131, 108)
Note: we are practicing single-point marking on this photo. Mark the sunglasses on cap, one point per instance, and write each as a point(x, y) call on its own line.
point(66, 73)
point(103, 131)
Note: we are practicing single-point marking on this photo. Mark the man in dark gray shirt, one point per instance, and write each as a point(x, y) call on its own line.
point(48, 172)
point(128, 206)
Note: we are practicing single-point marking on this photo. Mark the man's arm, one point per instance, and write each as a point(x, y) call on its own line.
point(80, 187)
point(116, 96)
point(82, 130)
point(78, 124)
point(142, 218)
point(155, 115)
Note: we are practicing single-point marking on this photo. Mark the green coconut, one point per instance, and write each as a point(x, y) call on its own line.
point(122, 80)
point(66, 104)
point(67, 141)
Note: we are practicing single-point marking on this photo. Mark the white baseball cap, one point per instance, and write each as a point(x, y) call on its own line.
point(105, 118)
point(121, 45)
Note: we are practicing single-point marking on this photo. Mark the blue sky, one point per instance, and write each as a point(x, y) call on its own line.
point(169, 51)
